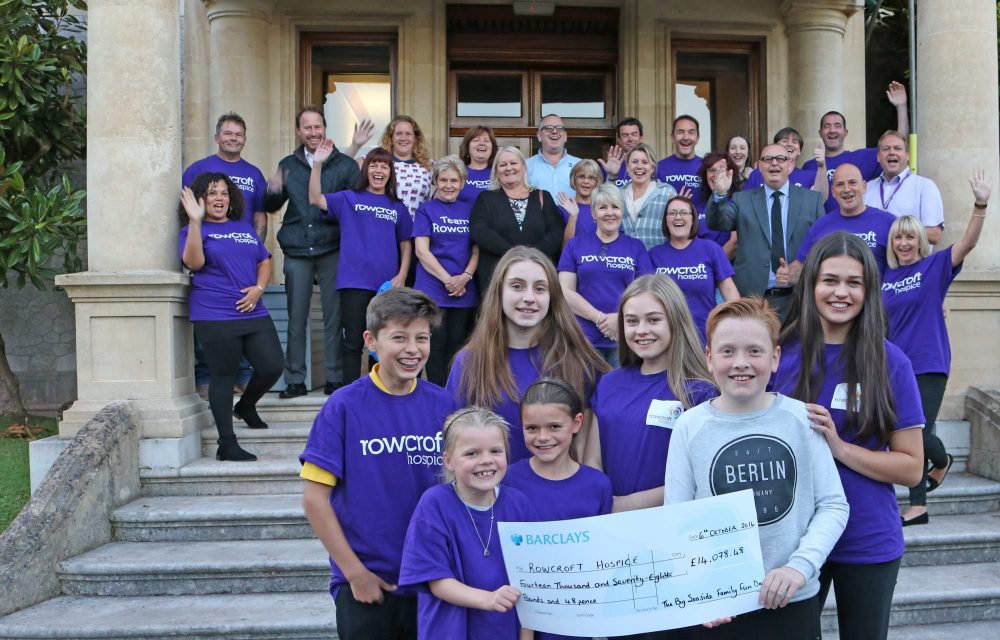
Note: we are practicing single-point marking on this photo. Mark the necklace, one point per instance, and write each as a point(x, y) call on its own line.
point(489, 537)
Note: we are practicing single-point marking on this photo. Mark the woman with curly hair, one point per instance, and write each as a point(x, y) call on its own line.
point(405, 141)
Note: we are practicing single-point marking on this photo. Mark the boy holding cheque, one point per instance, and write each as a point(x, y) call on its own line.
point(748, 438)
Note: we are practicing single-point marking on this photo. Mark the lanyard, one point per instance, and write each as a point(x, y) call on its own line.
point(881, 190)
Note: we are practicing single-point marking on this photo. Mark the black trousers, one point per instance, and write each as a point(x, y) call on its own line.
point(446, 340)
point(353, 307)
point(795, 621)
point(864, 597)
point(931, 386)
point(394, 619)
point(224, 343)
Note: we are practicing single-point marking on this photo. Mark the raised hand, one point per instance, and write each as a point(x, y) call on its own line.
point(323, 151)
point(981, 185)
point(195, 209)
point(616, 155)
point(723, 181)
point(819, 155)
point(896, 93)
point(569, 204)
point(363, 131)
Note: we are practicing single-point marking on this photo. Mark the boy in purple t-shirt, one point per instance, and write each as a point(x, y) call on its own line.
point(372, 451)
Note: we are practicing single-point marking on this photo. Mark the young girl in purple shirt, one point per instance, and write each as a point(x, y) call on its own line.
point(526, 330)
point(913, 292)
point(863, 398)
point(663, 374)
point(556, 483)
point(375, 231)
point(447, 259)
point(452, 548)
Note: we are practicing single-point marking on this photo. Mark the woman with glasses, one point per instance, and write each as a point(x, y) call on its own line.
point(714, 164)
point(697, 265)
point(584, 178)
point(596, 268)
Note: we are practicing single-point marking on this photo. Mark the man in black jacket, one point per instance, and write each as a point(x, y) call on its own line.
point(311, 245)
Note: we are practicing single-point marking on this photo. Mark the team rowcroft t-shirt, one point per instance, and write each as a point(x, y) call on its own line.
point(446, 224)
point(247, 178)
point(866, 160)
point(635, 415)
point(476, 181)
point(232, 253)
point(913, 295)
point(697, 269)
point(441, 543)
point(371, 228)
point(603, 271)
point(385, 451)
point(871, 225)
point(874, 532)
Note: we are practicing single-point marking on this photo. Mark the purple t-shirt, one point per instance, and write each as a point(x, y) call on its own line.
point(585, 223)
point(232, 253)
point(385, 450)
point(871, 225)
point(525, 365)
point(441, 543)
point(866, 160)
point(371, 228)
point(585, 493)
point(913, 296)
point(447, 226)
point(801, 177)
point(635, 415)
point(874, 533)
point(697, 269)
point(477, 181)
point(603, 271)
point(247, 178)
point(680, 173)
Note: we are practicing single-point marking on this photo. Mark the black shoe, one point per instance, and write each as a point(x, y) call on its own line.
point(933, 484)
point(293, 390)
point(248, 415)
point(923, 518)
point(231, 450)
point(330, 387)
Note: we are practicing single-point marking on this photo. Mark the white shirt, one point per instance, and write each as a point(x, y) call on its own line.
point(907, 195)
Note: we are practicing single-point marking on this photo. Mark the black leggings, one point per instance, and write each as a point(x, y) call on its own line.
point(795, 621)
point(353, 308)
point(864, 597)
point(446, 340)
point(932, 386)
point(223, 344)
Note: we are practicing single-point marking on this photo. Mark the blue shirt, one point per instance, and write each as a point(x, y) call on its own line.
point(542, 174)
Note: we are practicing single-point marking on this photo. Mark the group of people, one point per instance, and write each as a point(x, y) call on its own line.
point(602, 329)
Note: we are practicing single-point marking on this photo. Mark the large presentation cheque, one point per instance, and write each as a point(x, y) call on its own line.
point(639, 571)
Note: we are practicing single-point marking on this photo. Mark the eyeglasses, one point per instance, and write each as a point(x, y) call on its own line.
point(773, 159)
point(552, 128)
point(678, 213)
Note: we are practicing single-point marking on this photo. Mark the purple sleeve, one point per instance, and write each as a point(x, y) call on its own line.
point(421, 222)
point(946, 271)
point(262, 252)
point(454, 381)
point(701, 391)
point(333, 203)
point(564, 213)
point(182, 240)
point(189, 175)
point(753, 180)
point(606, 497)
point(567, 261)
point(427, 554)
point(258, 194)
point(720, 264)
point(404, 223)
point(807, 243)
point(906, 394)
point(325, 446)
point(643, 265)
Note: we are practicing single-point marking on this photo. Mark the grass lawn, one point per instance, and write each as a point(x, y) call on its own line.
point(15, 483)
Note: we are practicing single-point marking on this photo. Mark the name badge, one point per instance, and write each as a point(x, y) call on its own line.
point(839, 400)
point(663, 413)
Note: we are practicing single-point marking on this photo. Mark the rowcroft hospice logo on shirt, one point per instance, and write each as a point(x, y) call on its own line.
point(419, 450)
point(239, 237)
point(611, 262)
point(694, 272)
point(906, 284)
point(562, 537)
point(479, 184)
point(244, 183)
point(691, 181)
point(870, 238)
point(382, 213)
point(762, 463)
point(451, 225)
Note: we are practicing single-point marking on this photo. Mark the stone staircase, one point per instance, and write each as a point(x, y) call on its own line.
point(224, 551)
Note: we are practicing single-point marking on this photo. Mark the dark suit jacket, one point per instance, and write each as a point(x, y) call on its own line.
point(494, 229)
point(749, 216)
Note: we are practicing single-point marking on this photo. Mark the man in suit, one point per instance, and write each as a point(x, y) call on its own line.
point(776, 209)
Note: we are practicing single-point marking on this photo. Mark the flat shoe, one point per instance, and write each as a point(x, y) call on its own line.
point(923, 518)
point(933, 484)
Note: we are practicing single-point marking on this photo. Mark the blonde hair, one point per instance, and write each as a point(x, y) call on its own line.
point(420, 153)
point(607, 193)
point(685, 355)
point(565, 352)
point(468, 418)
point(585, 168)
point(643, 148)
point(494, 182)
point(908, 225)
point(450, 162)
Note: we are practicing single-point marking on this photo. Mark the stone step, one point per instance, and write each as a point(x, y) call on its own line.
point(954, 539)
point(955, 434)
point(192, 568)
point(939, 595)
point(280, 440)
point(273, 616)
point(211, 518)
point(302, 409)
point(964, 630)
point(961, 493)
point(209, 477)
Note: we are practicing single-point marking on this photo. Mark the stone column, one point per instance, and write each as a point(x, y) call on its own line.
point(958, 130)
point(133, 337)
point(239, 66)
point(198, 122)
point(815, 61)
